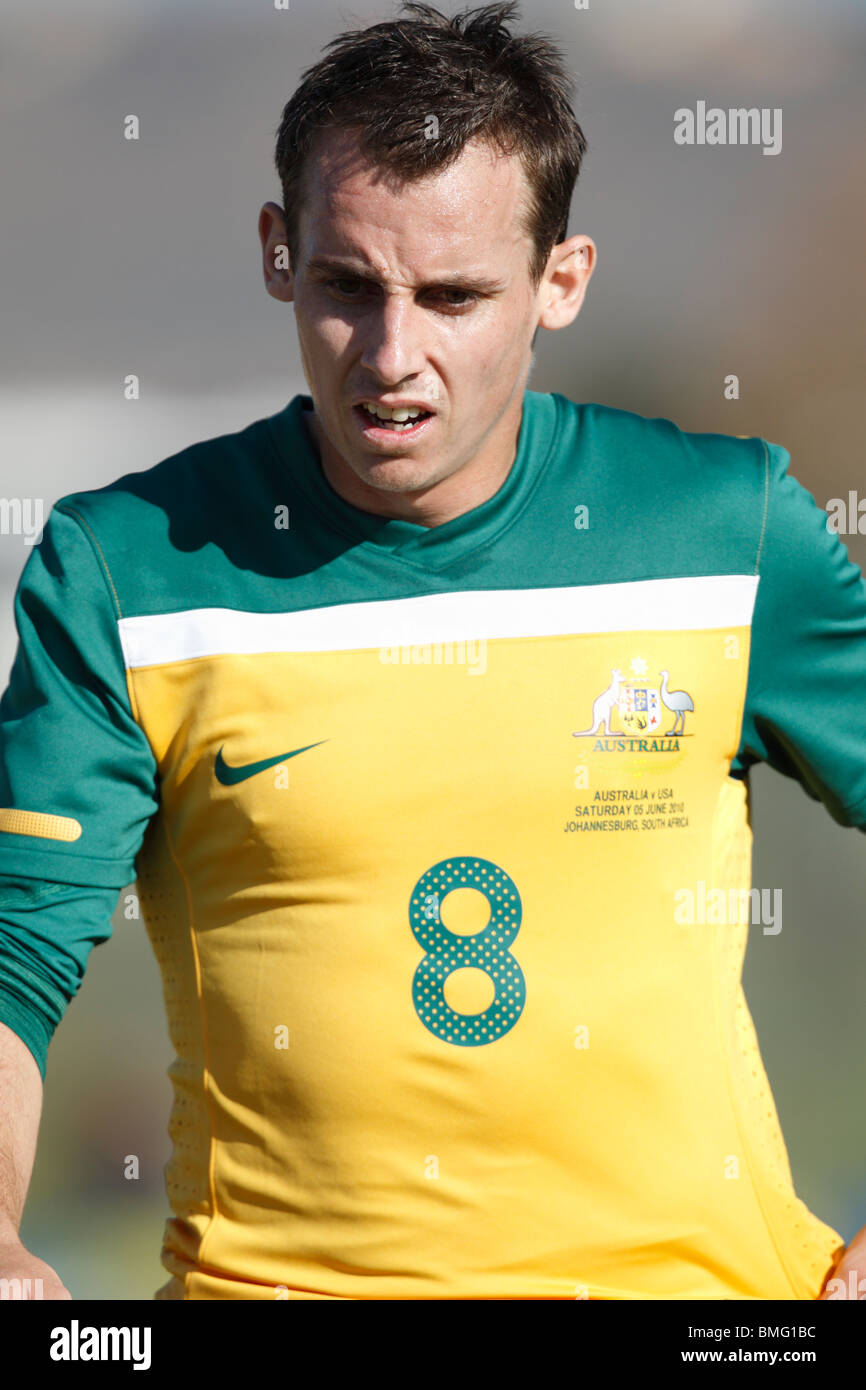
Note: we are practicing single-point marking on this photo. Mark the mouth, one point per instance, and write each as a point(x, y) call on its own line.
point(379, 431)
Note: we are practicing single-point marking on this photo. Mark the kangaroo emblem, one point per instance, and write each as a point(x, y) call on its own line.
point(602, 706)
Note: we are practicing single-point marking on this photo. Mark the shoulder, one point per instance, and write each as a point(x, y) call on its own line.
point(682, 499)
point(168, 529)
point(194, 479)
point(660, 440)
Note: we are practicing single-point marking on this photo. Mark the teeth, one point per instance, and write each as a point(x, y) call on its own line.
point(401, 413)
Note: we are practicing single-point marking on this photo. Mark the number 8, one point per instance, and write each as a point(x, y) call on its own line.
point(486, 950)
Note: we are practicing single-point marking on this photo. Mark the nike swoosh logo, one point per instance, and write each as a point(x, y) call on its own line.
point(230, 776)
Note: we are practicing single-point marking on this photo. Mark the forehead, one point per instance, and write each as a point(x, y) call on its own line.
point(475, 206)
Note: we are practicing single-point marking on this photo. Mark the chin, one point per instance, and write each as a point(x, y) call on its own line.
point(396, 475)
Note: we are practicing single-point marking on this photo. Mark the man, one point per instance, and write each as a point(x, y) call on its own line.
point(415, 709)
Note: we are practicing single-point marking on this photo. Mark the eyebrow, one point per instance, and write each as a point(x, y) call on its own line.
point(457, 280)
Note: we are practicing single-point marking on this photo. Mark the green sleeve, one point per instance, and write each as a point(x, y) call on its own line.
point(46, 933)
point(805, 710)
point(70, 747)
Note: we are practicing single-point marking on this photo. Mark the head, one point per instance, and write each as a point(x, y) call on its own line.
point(427, 167)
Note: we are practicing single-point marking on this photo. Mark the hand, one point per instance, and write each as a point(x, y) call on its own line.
point(25, 1276)
point(847, 1280)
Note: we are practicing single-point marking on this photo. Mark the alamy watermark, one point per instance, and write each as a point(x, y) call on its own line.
point(471, 654)
point(729, 907)
point(21, 1288)
point(77, 1343)
point(22, 516)
point(847, 519)
point(740, 125)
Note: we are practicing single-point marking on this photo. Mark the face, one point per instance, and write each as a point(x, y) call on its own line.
point(418, 293)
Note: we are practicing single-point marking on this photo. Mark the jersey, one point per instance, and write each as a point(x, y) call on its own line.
point(442, 842)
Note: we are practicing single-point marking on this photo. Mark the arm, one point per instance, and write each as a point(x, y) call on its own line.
point(77, 788)
point(805, 713)
point(20, 1110)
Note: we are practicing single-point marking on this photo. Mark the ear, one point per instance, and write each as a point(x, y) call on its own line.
point(569, 268)
point(279, 280)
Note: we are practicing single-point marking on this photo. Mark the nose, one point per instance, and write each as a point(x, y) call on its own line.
point(393, 348)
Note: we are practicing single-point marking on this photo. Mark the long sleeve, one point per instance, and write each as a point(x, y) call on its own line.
point(78, 780)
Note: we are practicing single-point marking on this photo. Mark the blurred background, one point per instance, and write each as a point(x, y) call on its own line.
point(143, 257)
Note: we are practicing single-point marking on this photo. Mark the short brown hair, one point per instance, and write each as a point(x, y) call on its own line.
point(477, 79)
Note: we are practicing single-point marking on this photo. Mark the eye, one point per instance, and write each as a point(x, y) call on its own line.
point(467, 297)
point(339, 286)
point(343, 287)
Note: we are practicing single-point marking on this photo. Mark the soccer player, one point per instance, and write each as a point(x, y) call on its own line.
point(422, 713)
